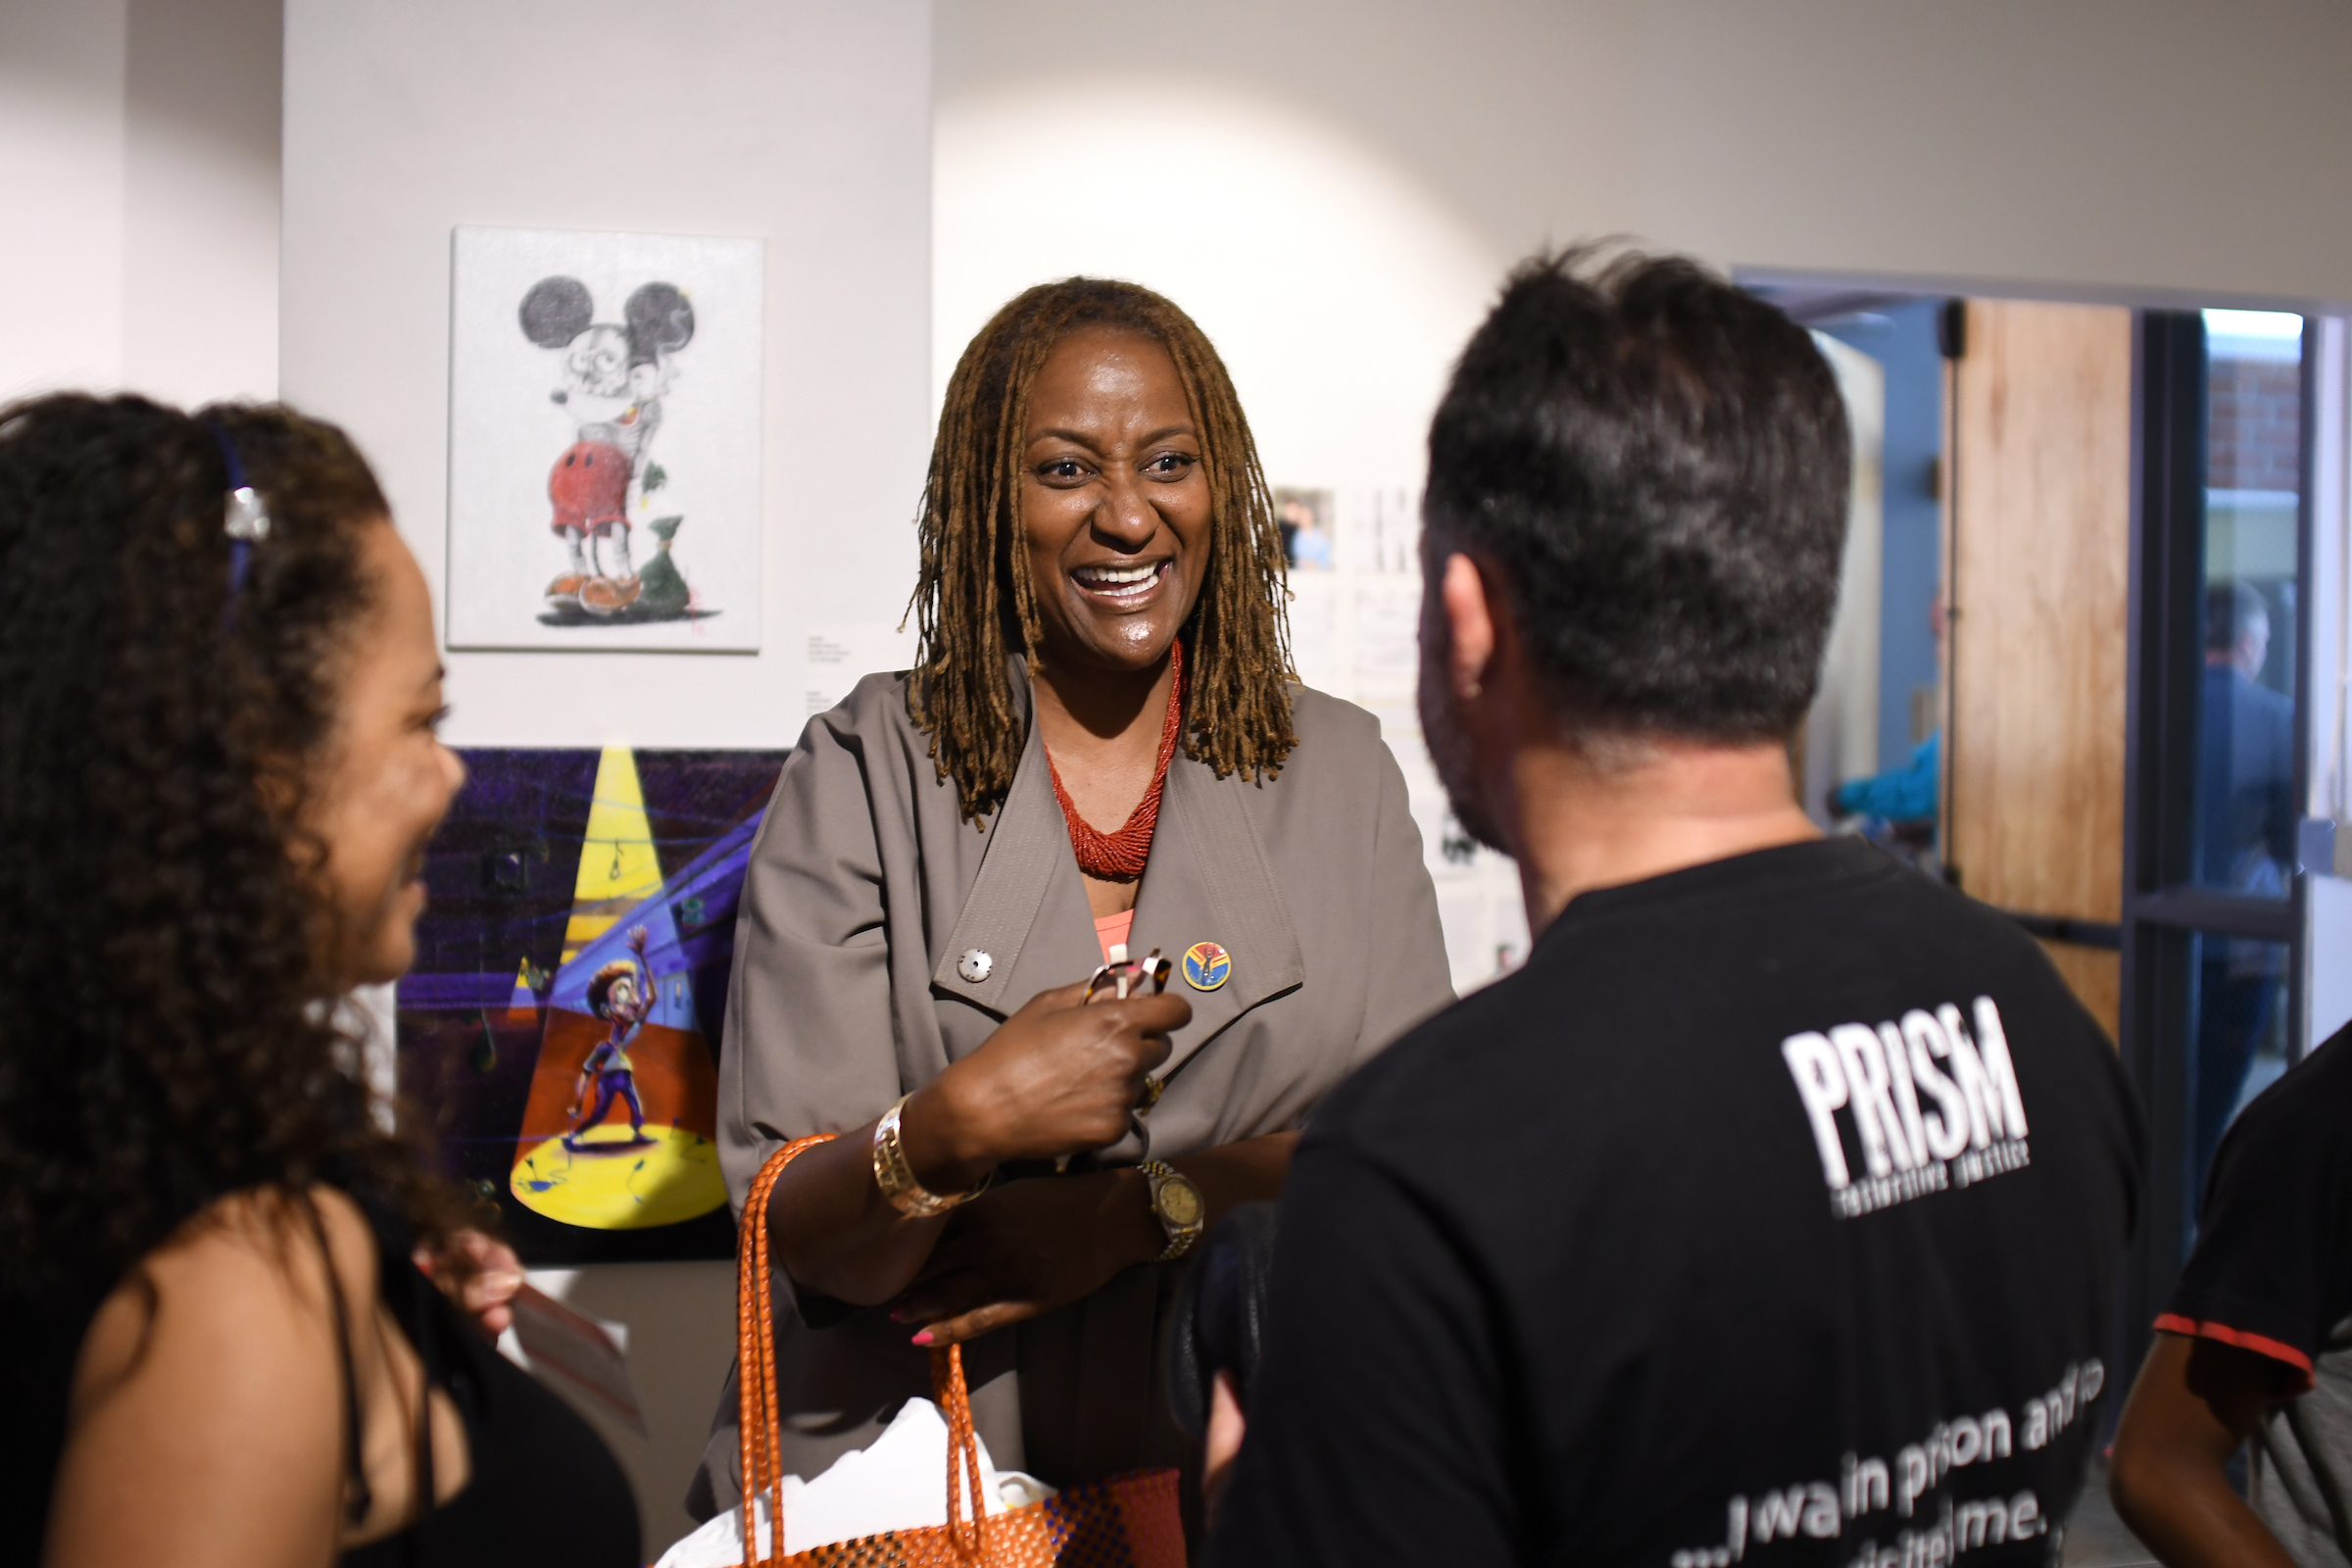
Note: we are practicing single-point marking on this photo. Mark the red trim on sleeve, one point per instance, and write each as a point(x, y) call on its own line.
point(2174, 1323)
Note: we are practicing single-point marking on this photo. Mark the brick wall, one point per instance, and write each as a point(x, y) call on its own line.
point(2255, 424)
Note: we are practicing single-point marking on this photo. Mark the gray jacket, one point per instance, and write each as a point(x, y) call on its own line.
point(864, 891)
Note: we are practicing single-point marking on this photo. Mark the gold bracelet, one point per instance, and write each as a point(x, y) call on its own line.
point(895, 1177)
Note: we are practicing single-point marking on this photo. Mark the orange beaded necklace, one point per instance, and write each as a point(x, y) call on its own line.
point(1121, 857)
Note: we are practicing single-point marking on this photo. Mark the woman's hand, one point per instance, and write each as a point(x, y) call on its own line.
point(1027, 1247)
point(478, 1273)
point(1058, 1077)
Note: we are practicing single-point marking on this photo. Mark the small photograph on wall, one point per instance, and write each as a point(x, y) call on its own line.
point(1305, 520)
point(604, 441)
point(561, 1030)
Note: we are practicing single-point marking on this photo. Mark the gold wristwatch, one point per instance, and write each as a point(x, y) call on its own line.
point(1176, 1204)
point(895, 1177)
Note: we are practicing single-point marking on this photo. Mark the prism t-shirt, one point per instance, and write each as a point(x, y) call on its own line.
point(1766, 1215)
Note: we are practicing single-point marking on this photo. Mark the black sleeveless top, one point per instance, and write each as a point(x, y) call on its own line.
point(544, 1487)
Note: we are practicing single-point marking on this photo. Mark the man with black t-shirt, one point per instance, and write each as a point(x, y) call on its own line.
point(1767, 1215)
point(2256, 1343)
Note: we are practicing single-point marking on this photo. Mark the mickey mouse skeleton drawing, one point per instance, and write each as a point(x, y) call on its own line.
point(610, 377)
point(606, 389)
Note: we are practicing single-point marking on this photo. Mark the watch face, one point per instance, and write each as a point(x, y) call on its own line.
point(1179, 1202)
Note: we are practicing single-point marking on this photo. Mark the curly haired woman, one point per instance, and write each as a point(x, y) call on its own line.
point(1100, 747)
point(220, 691)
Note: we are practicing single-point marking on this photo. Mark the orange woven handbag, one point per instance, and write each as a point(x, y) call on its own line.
point(1127, 1521)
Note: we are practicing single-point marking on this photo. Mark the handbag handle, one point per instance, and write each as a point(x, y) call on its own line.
point(759, 1408)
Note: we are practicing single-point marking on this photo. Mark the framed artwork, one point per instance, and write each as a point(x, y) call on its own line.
point(560, 1029)
point(604, 442)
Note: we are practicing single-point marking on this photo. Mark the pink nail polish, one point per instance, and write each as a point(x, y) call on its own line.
point(923, 1338)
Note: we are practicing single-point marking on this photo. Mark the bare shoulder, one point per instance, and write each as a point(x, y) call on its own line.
point(242, 1283)
point(206, 1421)
point(266, 1244)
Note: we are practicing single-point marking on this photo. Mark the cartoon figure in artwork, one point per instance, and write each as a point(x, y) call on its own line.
point(610, 379)
point(622, 992)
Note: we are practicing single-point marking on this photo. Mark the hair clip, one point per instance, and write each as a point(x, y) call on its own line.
point(244, 518)
point(247, 519)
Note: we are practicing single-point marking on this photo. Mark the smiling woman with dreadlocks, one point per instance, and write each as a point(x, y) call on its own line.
point(1101, 747)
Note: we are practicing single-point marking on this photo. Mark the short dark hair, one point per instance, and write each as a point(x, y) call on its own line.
point(1656, 466)
point(2231, 611)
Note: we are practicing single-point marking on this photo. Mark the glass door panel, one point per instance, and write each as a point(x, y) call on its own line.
point(2238, 1030)
point(2244, 802)
point(2211, 926)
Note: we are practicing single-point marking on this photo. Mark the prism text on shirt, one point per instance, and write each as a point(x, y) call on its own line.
point(1931, 1106)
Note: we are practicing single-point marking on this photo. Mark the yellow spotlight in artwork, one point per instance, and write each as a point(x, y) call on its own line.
point(610, 1182)
point(617, 863)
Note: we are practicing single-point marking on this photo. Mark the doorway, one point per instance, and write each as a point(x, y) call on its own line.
point(2126, 541)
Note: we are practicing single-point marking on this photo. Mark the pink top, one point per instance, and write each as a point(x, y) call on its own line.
point(1112, 931)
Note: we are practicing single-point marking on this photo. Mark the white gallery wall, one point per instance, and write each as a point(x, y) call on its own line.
point(2155, 145)
point(801, 124)
point(1333, 188)
point(139, 167)
point(62, 124)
